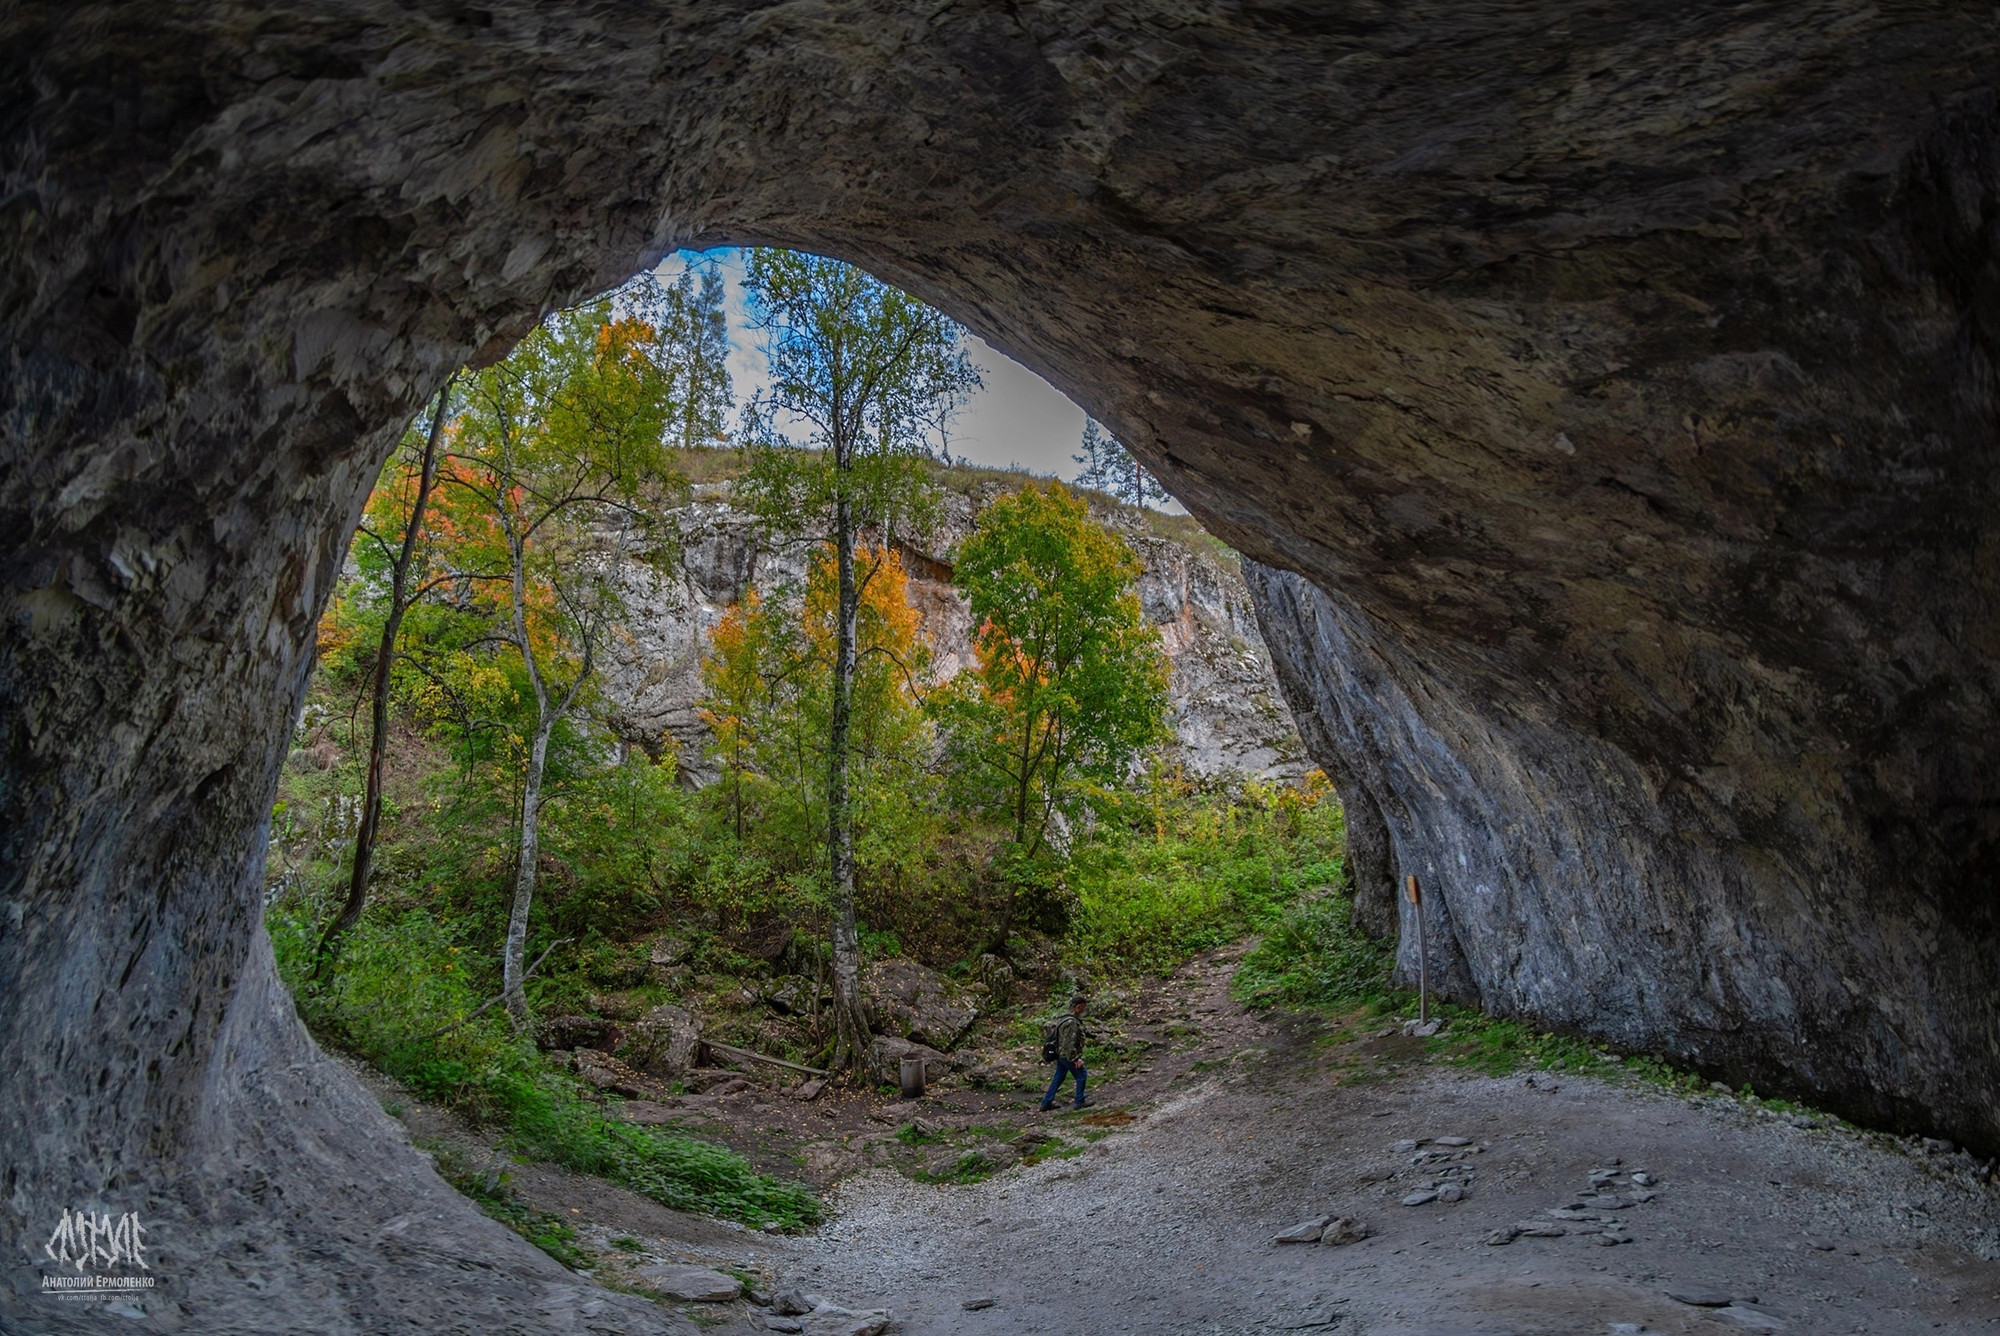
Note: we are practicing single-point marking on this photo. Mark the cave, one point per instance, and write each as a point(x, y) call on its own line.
point(1602, 397)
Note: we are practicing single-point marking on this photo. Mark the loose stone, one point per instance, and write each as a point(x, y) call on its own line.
point(692, 1284)
point(1696, 1296)
point(1343, 1230)
point(1421, 1198)
point(1306, 1231)
point(974, 1305)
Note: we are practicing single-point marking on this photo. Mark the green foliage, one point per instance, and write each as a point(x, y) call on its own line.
point(769, 679)
point(1175, 871)
point(1071, 684)
point(405, 980)
point(1314, 955)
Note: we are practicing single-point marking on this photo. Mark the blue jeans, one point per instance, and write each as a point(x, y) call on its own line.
point(1063, 1069)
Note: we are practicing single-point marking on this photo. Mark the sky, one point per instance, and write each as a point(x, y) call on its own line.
point(1018, 420)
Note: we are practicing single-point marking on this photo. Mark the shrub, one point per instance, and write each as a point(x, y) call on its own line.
point(1315, 955)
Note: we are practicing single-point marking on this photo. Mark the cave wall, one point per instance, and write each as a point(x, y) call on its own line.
point(1621, 377)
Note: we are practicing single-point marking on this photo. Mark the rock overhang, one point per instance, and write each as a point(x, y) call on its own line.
point(1644, 499)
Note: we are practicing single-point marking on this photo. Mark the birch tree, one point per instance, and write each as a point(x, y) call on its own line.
point(868, 377)
point(557, 447)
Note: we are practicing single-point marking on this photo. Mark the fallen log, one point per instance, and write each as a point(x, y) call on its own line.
point(755, 1056)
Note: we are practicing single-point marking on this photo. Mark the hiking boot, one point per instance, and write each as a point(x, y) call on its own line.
point(1084, 1104)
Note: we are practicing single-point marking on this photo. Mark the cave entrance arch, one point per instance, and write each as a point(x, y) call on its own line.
point(1608, 395)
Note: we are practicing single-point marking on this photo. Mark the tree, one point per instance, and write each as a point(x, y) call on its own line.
point(554, 447)
point(871, 375)
point(768, 675)
point(1111, 468)
point(691, 350)
point(1070, 685)
point(397, 507)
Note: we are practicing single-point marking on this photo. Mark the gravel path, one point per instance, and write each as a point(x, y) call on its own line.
point(1251, 1124)
point(1165, 1226)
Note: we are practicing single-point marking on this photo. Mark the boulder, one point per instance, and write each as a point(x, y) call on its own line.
point(557, 1033)
point(1306, 1231)
point(792, 996)
point(691, 1284)
point(909, 1001)
point(662, 1042)
point(997, 973)
point(886, 1054)
point(666, 952)
point(608, 1073)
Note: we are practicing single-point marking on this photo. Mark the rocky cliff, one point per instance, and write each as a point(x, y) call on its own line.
point(1621, 376)
point(1225, 707)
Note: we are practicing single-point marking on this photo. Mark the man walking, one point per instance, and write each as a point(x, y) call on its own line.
point(1065, 1045)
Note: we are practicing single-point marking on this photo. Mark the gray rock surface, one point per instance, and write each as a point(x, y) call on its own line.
point(1626, 376)
point(1228, 715)
point(662, 1042)
point(691, 1284)
point(910, 1001)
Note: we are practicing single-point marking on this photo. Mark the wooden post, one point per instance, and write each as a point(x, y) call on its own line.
point(1423, 955)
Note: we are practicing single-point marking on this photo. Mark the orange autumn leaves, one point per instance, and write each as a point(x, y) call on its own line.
point(767, 678)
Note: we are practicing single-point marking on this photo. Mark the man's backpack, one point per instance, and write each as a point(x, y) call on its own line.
point(1050, 1031)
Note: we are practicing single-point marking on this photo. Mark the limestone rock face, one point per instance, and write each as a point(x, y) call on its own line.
point(1225, 707)
point(1622, 377)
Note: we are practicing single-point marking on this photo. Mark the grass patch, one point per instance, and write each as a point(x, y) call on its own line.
point(971, 1167)
point(1313, 955)
point(1173, 872)
point(400, 981)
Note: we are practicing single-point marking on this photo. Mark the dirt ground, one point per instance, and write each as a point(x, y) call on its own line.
point(1217, 1128)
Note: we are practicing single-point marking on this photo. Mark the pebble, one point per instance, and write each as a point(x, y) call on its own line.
point(1404, 1147)
point(786, 1324)
point(794, 1303)
point(974, 1305)
point(1642, 1178)
point(1421, 1198)
point(1454, 1141)
point(1451, 1192)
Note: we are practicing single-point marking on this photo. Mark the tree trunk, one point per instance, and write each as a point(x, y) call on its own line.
point(512, 977)
point(850, 1026)
point(378, 736)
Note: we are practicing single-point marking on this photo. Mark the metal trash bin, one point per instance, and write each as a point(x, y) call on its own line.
point(913, 1078)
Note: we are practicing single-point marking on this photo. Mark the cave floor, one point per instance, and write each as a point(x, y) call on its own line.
point(1160, 1216)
